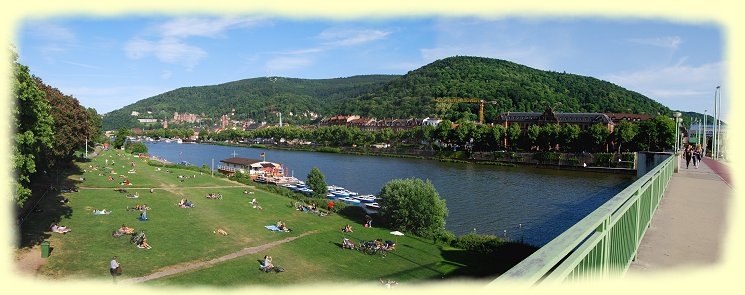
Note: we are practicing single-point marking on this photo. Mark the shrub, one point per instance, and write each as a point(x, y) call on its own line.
point(413, 205)
point(479, 243)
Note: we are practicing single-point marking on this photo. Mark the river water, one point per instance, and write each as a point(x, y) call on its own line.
point(519, 203)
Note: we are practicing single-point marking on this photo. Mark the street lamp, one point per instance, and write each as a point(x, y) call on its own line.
point(706, 139)
point(677, 127)
point(677, 134)
point(714, 137)
point(719, 124)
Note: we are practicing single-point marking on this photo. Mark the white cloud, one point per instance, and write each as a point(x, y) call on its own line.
point(203, 27)
point(678, 86)
point(165, 75)
point(171, 45)
point(350, 37)
point(672, 42)
point(172, 51)
point(51, 32)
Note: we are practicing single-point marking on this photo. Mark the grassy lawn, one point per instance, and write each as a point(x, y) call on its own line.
point(181, 236)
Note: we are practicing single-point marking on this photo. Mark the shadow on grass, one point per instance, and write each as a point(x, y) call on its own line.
point(486, 265)
point(46, 205)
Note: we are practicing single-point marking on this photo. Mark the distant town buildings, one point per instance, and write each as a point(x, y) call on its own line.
point(134, 113)
point(185, 117)
point(147, 120)
point(525, 119)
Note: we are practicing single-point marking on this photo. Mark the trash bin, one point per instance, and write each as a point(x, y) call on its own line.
point(44, 249)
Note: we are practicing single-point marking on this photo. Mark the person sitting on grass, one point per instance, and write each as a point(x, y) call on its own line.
point(254, 201)
point(347, 244)
point(281, 226)
point(59, 228)
point(143, 244)
point(389, 245)
point(267, 265)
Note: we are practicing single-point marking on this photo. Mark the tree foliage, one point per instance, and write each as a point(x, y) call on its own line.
point(71, 125)
point(137, 148)
point(413, 205)
point(317, 182)
point(33, 125)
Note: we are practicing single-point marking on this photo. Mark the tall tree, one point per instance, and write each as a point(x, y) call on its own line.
point(71, 125)
point(513, 135)
point(317, 182)
point(570, 136)
point(624, 134)
point(413, 205)
point(33, 126)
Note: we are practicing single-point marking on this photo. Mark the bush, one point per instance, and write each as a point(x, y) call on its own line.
point(445, 237)
point(478, 243)
point(413, 205)
point(137, 148)
point(327, 149)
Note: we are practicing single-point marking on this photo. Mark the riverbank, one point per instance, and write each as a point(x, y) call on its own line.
point(581, 162)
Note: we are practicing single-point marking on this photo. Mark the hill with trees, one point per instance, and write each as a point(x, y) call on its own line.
point(507, 86)
point(253, 98)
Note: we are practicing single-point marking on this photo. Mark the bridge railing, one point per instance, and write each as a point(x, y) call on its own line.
point(604, 243)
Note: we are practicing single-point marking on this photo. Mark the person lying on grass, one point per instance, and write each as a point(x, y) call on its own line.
point(347, 229)
point(101, 212)
point(184, 203)
point(59, 228)
point(124, 230)
point(347, 244)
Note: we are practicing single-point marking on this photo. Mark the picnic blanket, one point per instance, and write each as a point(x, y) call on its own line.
point(272, 228)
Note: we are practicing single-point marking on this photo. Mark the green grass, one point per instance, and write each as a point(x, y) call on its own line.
point(180, 236)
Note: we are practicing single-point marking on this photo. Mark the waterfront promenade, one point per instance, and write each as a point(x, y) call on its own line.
point(690, 226)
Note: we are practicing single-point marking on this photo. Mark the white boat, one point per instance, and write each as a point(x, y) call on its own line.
point(331, 196)
point(372, 205)
point(367, 198)
point(349, 200)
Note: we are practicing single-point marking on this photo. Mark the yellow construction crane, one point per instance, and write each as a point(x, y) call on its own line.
point(456, 100)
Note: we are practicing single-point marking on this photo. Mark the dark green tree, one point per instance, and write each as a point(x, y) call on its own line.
point(413, 205)
point(532, 135)
point(513, 135)
point(317, 182)
point(569, 136)
point(121, 137)
point(624, 134)
point(597, 136)
point(137, 148)
point(33, 127)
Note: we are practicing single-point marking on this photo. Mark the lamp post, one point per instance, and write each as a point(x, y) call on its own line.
point(719, 124)
point(677, 139)
point(706, 139)
point(714, 136)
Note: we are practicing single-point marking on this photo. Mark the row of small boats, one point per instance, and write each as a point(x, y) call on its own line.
point(337, 193)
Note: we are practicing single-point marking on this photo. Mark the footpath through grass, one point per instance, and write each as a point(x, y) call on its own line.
point(180, 236)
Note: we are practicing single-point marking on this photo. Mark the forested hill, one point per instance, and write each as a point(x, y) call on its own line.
point(512, 86)
point(251, 98)
point(506, 85)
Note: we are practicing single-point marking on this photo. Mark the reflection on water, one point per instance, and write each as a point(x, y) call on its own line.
point(521, 203)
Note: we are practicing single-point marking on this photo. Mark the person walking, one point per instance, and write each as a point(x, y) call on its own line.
point(697, 152)
point(688, 154)
point(115, 269)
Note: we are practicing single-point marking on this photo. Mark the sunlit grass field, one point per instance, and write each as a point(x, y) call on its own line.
point(183, 236)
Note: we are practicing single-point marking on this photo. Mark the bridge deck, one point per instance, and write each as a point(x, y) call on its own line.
point(690, 225)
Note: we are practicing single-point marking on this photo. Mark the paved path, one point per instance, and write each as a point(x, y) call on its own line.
point(690, 224)
point(189, 266)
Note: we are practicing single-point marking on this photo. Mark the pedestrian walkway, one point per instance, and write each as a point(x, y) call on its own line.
point(690, 224)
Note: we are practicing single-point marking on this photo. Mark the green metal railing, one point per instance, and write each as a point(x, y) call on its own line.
point(604, 243)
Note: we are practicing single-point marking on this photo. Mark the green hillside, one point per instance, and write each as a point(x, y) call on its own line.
point(251, 98)
point(506, 85)
point(511, 86)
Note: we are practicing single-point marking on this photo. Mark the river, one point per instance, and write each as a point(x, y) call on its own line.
point(519, 203)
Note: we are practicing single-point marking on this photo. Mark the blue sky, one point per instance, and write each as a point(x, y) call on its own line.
point(108, 63)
